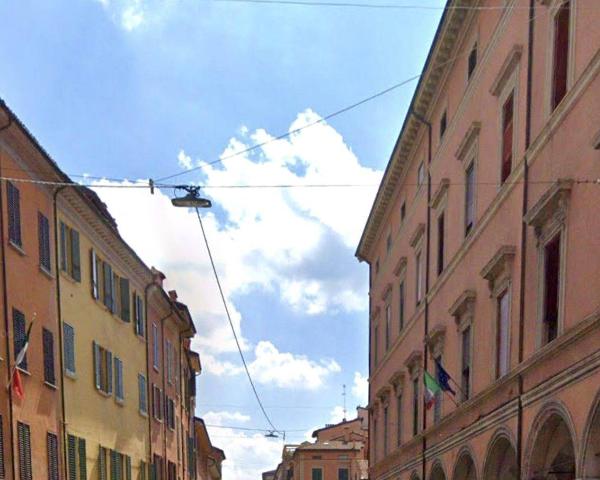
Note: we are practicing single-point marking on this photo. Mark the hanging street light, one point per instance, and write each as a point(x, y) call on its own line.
point(192, 199)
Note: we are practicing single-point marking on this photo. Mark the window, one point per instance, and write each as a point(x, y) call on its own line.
point(77, 458)
point(469, 198)
point(102, 468)
point(385, 430)
point(440, 252)
point(375, 441)
point(142, 394)
point(124, 311)
point(416, 405)
point(69, 348)
point(139, 319)
point(388, 326)
point(14, 214)
point(317, 474)
point(69, 252)
point(437, 406)
point(399, 420)
point(551, 288)
point(169, 365)
point(170, 412)
point(108, 286)
point(443, 124)
point(94, 273)
point(465, 373)
point(19, 336)
point(402, 212)
point(157, 408)
point(388, 246)
point(419, 277)
point(24, 441)
point(155, 347)
point(401, 295)
point(502, 334)
point(142, 475)
point(103, 369)
point(48, 353)
point(171, 471)
point(343, 474)
point(472, 62)
point(507, 136)
point(157, 467)
point(119, 393)
point(375, 346)
point(2, 466)
point(561, 53)
point(377, 266)
point(120, 466)
point(44, 242)
point(52, 454)
point(420, 174)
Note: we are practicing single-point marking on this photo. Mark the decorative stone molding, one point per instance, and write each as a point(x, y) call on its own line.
point(400, 266)
point(397, 381)
point(435, 340)
point(499, 268)
point(375, 312)
point(551, 209)
point(468, 141)
point(373, 407)
point(437, 197)
point(383, 394)
point(386, 291)
point(414, 362)
point(417, 235)
point(463, 309)
point(506, 70)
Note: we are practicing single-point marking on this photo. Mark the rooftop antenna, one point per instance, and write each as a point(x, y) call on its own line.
point(344, 395)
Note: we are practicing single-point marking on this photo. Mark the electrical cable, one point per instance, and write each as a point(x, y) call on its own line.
point(237, 342)
point(233, 427)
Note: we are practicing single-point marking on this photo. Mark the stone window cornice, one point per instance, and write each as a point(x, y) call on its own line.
point(506, 70)
point(499, 268)
point(375, 313)
point(439, 194)
point(413, 363)
point(417, 235)
point(435, 340)
point(468, 141)
point(386, 291)
point(397, 381)
point(551, 209)
point(383, 394)
point(400, 266)
point(463, 309)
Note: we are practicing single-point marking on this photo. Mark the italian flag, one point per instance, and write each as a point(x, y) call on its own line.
point(431, 388)
point(15, 380)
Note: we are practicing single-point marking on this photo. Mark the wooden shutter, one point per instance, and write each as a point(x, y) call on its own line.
point(127, 467)
point(561, 53)
point(24, 441)
point(142, 475)
point(2, 468)
point(19, 335)
point(102, 463)
point(94, 274)
point(108, 288)
point(109, 375)
point(114, 294)
point(14, 214)
point(71, 457)
point(63, 247)
point(119, 379)
point(125, 300)
point(48, 350)
point(52, 454)
point(69, 348)
point(75, 257)
point(113, 465)
point(82, 459)
point(97, 366)
point(44, 241)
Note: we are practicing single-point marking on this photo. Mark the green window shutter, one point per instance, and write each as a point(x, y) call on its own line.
point(69, 348)
point(125, 300)
point(102, 464)
point(19, 335)
point(44, 241)
point(94, 274)
point(142, 475)
point(127, 467)
point(63, 247)
point(48, 354)
point(82, 460)
point(97, 366)
point(14, 214)
point(113, 465)
point(119, 379)
point(75, 256)
point(71, 457)
point(52, 454)
point(109, 376)
point(108, 288)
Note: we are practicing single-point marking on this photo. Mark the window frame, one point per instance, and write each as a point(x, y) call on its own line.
point(44, 243)
point(68, 371)
point(142, 394)
point(499, 371)
point(555, 7)
point(468, 228)
point(48, 357)
point(13, 208)
point(471, 70)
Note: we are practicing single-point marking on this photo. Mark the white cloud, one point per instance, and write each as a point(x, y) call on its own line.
point(128, 14)
point(337, 415)
point(132, 17)
point(360, 388)
point(184, 160)
point(221, 418)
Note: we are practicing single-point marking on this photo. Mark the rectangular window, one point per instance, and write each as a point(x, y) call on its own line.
point(388, 326)
point(388, 246)
point(44, 242)
point(437, 406)
point(171, 471)
point(169, 365)
point(419, 277)
point(399, 420)
point(440, 252)
point(466, 363)
point(19, 333)
point(401, 295)
point(507, 136)
point(375, 346)
point(317, 474)
point(94, 275)
point(138, 307)
point(70, 261)
point(551, 288)
point(69, 348)
point(119, 393)
point(155, 346)
point(402, 212)
point(472, 63)
point(157, 405)
point(48, 353)
point(343, 474)
point(52, 454)
point(170, 413)
point(415, 405)
point(24, 444)
point(108, 286)
point(375, 441)
point(124, 311)
point(102, 464)
point(14, 214)
point(142, 394)
point(443, 124)
point(502, 334)
point(103, 367)
point(469, 198)
point(420, 174)
point(385, 431)
point(561, 53)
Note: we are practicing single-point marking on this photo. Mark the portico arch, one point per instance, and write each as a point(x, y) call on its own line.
point(437, 472)
point(501, 458)
point(590, 467)
point(464, 468)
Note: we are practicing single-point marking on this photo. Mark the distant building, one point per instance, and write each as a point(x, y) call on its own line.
point(483, 249)
point(209, 459)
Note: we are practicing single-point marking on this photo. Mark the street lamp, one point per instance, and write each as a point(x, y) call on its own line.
point(192, 199)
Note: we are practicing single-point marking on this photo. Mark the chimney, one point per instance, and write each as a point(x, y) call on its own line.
point(157, 276)
point(173, 295)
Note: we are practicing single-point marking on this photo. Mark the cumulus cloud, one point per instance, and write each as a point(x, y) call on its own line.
point(360, 388)
point(128, 14)
point(184, 160)
point(221, 418)
point(132, 17)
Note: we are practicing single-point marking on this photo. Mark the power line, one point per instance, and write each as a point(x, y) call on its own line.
point(234, 427)
point(237, 342)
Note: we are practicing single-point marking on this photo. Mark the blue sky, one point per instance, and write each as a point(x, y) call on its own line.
point(137, 89)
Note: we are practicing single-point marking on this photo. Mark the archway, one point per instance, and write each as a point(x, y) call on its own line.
point(553, 453)
point(437, 472)
point(465, 467)
point(591, 452)
point(501, 460)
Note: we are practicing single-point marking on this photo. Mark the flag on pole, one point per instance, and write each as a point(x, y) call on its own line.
point(15, 380)
point(431, 388)
point(443, 378)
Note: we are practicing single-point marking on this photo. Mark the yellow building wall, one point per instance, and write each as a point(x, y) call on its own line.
point(91, 414)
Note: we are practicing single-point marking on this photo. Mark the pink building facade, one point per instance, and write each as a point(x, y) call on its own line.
point(482, 244)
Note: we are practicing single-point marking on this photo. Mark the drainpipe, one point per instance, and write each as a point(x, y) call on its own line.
point(146, 290)
point(523, 263)
point(427, 255)
point(60, 329)
point(5, 301)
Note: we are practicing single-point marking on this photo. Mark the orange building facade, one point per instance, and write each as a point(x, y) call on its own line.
point(481, 244)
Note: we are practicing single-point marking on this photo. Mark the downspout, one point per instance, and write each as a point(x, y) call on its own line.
point(146, 290)
point(60, 329)
point(425, 297)
point(5, 301)
point(523, 263)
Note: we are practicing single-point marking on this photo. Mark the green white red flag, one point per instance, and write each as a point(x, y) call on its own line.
point(15, 381)
point(432, 387)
